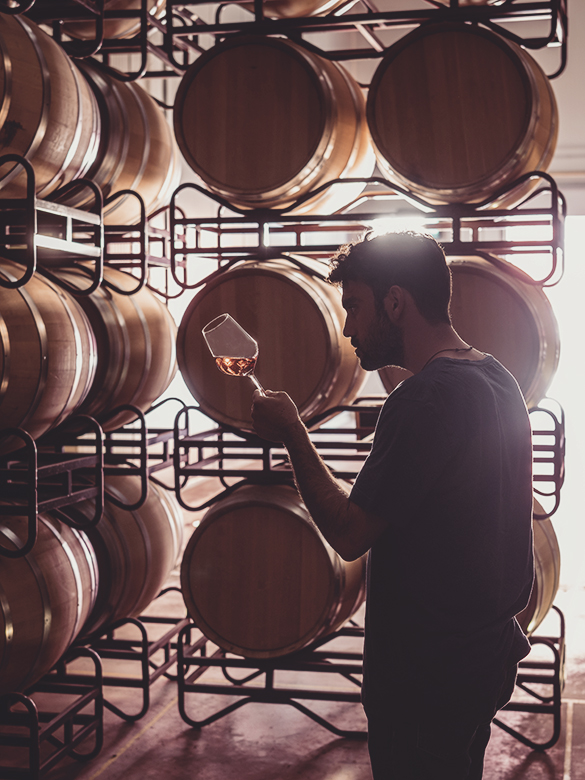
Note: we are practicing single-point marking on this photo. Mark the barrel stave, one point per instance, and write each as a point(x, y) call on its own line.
point(51, 116)
point(47, 354)
point(45, 597)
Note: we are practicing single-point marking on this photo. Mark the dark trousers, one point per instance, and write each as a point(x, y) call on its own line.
point(437, 737)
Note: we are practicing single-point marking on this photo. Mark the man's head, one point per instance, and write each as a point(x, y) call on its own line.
point(413, 261)
point(376, 274)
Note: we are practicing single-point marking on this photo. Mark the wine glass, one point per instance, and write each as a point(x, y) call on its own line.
point(234, 350)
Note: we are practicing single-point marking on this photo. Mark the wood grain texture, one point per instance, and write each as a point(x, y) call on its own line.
point(288, 9)
point(500, 312)
point(259, 579)
point(45, 597)
point(297, 321)
point(115, 28)
point(135, 341)
point(135, 550)
point(47, 354)
point(49, 113)
point(457, 112)
point(264, 121)
point(136, 150)
point(497, 310)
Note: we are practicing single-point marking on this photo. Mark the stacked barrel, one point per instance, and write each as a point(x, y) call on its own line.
point(265, 122)
point(459, 114)
point(455, 114)
point(74, 584)
point(63, 354)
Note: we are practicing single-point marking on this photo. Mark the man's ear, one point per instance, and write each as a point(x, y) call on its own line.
point(394, 303)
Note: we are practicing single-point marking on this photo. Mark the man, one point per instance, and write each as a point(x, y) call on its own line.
point(443, 504)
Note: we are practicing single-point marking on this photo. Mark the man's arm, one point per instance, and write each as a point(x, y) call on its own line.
point(349, 529)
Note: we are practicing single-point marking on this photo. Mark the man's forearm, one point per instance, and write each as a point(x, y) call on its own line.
point(347, 527)
point(324, 496)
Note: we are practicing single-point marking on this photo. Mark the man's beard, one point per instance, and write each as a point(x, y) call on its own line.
point(382, 346)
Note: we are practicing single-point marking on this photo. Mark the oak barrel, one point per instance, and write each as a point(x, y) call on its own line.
point(45, 598)
point(287, 9)
point(114, 28)
point(48, 114)
point(297, 320)
point(135, 342)
point(499, 310)
point(263, 121)
point(547, 566)
point(136, 150)
point(47, 354)
point(456, 112)
point(260, 580)
point(135, 550)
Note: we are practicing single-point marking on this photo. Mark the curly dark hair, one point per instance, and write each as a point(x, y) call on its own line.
point(414, 261)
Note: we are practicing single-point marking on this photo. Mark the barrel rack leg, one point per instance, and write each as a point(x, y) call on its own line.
point(27, 726)
point(141, 651)
point(312, 659)
point(549, 673)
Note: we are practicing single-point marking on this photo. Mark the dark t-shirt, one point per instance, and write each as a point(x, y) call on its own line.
point(450, 469)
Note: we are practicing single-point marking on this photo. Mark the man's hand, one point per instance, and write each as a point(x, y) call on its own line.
point(274, 415)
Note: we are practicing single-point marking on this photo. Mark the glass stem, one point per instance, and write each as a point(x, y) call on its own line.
point(257, 383)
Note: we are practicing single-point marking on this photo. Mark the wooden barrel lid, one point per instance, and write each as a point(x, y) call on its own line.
point(257, 576)
point(496, 308)
point(297, 320)
point(263, 121)
point(456, 112)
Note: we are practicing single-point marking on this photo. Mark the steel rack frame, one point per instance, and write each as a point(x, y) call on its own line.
point(316, 658)
point(136, 450)
point(215, 448)
point(463, 229)
point(58, 13)
point(28, 727)
point(50, 474)
point(140, 651)
point(541, 673)
point(41, 477)
point(368, 23)
point(548, 453)
point(218, 452)
point(183, 26)
point(34, 232)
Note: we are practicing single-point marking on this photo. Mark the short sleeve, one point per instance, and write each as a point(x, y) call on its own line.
point(411, 449)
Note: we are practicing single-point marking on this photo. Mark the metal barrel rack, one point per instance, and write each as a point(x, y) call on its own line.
point(318, 658)
point(49, 475)
point(547, 673)
point(48, 732)
point(142, 650)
